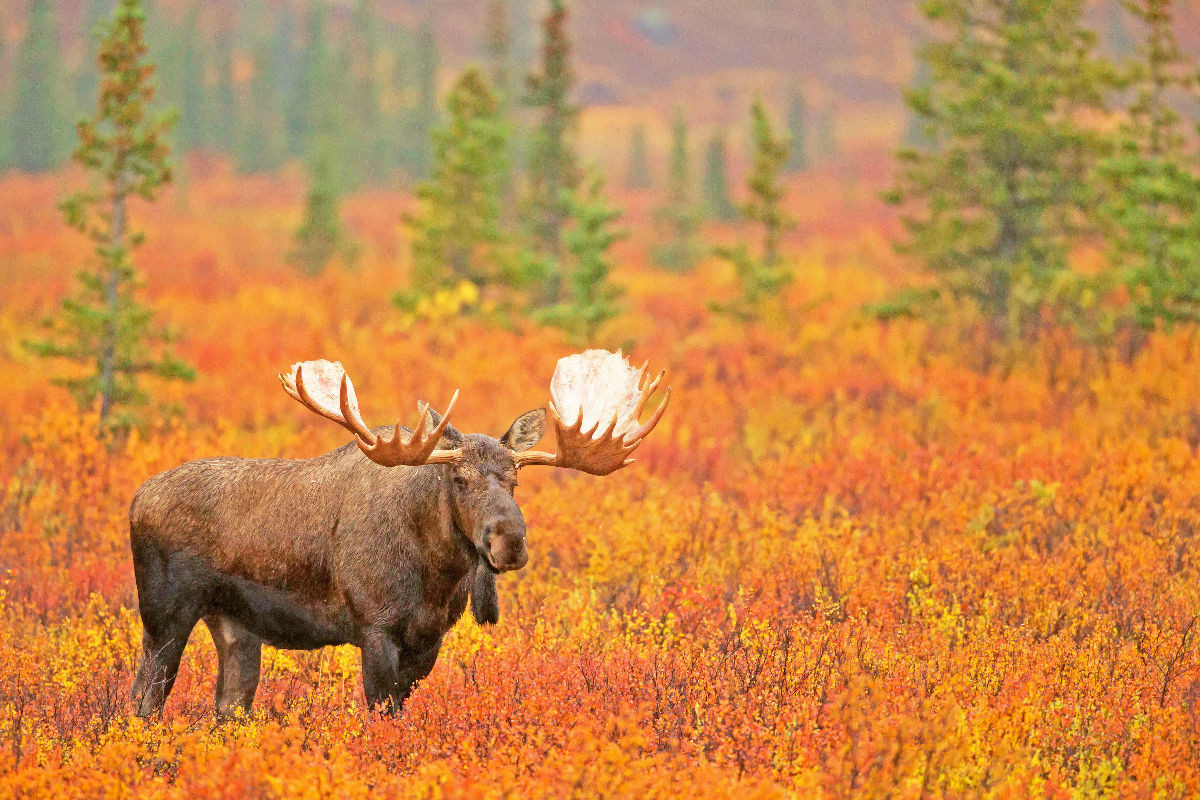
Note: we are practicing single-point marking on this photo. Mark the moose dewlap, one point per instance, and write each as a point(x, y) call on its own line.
point(335, 550)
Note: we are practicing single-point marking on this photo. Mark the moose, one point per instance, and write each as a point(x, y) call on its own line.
point(378, 544)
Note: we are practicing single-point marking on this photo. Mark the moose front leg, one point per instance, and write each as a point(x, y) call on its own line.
point(389, 675)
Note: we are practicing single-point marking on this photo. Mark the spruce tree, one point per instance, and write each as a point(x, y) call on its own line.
point(760, 277)
point(638, 176)
point(995, 202)
point(678, 212)
point(262, 131)
point(222, 103)
point(366, 161)
point(457, 230)
point(717, 203)
point(320, 237)
point(797, 125)
point(37, 126)
point(1153, 202)
point(591, 296)
point(102, 327)
point(426, 115)
point(553, 168)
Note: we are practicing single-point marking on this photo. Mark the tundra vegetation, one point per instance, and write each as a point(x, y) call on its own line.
point(946, 549)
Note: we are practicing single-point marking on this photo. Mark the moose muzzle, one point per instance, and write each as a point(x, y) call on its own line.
point(502, 542)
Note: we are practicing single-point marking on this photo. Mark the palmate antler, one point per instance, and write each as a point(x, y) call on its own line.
point(606, 389)
point(313, 383)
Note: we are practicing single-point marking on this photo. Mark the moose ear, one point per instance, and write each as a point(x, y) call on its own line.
point(527, 431)
point(451, 438)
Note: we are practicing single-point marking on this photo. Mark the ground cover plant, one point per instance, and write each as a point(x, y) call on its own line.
point(848, 563)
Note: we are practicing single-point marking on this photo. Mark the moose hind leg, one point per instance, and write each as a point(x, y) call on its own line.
point(160, 665)
point(239, 661)
point(169, 611)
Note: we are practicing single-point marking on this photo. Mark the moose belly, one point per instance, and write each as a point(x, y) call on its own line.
point(283, 618)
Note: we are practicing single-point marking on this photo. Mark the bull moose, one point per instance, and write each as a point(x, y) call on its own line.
point(378, 544)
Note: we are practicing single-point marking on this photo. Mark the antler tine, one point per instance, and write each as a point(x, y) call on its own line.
point(299, 392)
point(352, 415)
point(421, 447)
point(646, 390)
point(599, 450)
point(644, 431)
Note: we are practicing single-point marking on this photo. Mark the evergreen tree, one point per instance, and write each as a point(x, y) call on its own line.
point(638, 175)
point(827, 143)
point(761, 277)
point(37, 126)
point(262, 131)
point(85, 78)
point(5, 137)
point(797, 122)
point(222, 102)
point(717, 203)
point(998, 197)
point(498, 46)
point(1153, 206)
point(320, 237)
point(185, 77)
point(553, 169)
point(315, 107)
point(591, 295)
point(678, 212)
point(916, 135)
point(366, 161)
point(426, 116)
point(457, 230)
point(102, 326)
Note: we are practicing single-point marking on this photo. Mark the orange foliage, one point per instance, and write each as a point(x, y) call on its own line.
point(846, 565)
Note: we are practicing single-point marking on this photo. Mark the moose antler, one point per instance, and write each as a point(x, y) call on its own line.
point(316, 393)
point(606, 389)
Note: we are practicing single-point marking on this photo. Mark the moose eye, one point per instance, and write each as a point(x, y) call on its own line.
point(460, 481)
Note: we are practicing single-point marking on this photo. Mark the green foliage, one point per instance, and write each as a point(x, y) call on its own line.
point(320, 236)
point(425, 118)
point(678, 214)
point(457, 232)
point(591, 296)
point(262, 134)
point(761, 277)
point(102, 327)
point(553, 171)
point(797, 125)
point(1152, 206)
point(997, 198)
point(766, 192)
point(638, 175)
point(717, 203)
point(37, 126)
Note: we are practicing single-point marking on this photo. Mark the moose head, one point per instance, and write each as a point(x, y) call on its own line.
point(596, 399)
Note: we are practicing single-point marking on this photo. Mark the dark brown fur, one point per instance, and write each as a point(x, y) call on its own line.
point(323, 551)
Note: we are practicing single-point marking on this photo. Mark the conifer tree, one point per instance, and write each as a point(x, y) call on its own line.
point(761, 277)
point(85, 78)
point(1153, 202)
point(426, 115)
point(498, 47)
point(797, 124)
point(320, 236)
point(996, 200)
point(553, 168)
point(38, 128)
point(678, 213)
point(457, 229)
point(221, 103)
point(262, 130)
point(638, 176)
point(102, 327)
point(366, 162)
point(717, 203)
point(591, 296)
